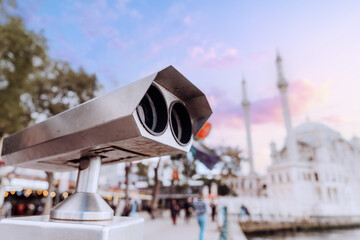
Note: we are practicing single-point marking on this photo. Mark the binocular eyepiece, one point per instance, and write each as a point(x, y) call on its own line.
point(154, 115)
point(153, 112)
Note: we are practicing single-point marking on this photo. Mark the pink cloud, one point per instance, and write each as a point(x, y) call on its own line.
point(215, 57)
point(302, 95)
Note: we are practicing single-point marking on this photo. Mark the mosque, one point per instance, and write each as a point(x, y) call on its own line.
point(315, 173)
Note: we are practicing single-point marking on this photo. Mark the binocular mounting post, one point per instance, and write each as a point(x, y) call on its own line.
point(85, 204)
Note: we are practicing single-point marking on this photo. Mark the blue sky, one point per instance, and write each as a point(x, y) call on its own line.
point(214, 44)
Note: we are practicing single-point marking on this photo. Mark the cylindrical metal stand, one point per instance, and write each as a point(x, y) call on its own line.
point(85, 204)
point(88, 176)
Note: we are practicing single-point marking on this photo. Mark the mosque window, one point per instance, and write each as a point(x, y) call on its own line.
point(318, 191)
point(280, 178)
point(316, 176)
point(309, 176)
point(329, 194)
point(335, 194)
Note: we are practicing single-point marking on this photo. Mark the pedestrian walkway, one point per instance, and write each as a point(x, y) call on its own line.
point(163, 229)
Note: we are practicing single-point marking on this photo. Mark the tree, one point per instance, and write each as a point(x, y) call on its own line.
point(230, 159)
point(127, 172)
point(154, 204)
point(22, 55)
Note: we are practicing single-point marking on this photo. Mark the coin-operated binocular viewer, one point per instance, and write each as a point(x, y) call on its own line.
point(154, 116)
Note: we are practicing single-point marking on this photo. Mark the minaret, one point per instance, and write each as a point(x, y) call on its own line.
point(273, 153)
point(246, 104)
point(283, 85)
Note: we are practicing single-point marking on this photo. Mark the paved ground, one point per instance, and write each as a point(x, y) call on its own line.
point(163, 229)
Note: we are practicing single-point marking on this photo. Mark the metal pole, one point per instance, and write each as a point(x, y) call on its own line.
point(88, 176)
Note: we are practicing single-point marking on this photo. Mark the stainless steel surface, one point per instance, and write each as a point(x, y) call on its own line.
point(85, 204)
point(82, 206)
point(108, 126)
point(39, 227)
point(88, 175)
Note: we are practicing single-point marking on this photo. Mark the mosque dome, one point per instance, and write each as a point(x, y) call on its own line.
point(313, 127)
point(312, 133)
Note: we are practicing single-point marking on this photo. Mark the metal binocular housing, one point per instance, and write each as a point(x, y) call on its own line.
point(155, 116)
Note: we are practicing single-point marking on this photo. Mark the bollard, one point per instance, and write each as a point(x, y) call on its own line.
point(225, 229)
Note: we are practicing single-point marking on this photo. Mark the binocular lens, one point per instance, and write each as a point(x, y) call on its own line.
point(180, 123)
point(152, 111)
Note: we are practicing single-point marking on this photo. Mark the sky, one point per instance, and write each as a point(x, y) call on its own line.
point(215, 44)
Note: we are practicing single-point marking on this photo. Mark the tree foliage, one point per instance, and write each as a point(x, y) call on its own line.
point(186, 165)
point(142, 171)
point(231, 159)
point(31, 84)
point(22, 54)
point(59, 88)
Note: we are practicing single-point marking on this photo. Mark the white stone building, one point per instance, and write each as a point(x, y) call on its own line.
point(323, 181)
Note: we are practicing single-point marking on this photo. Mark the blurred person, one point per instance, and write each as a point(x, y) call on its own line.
point(39, 209)
point(244, 213)
point(188, 208)
point(20, 208)
point(200, 210)
point(127, 209)
point(120, 208)
point(30, 209)
point(213, 211)
point(134, 207)
point(7, 207)
point(174, 210)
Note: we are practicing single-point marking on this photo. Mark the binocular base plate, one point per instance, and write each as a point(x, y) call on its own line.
point(40, 227)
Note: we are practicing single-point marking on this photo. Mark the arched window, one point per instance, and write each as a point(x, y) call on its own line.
point(272, 178)
point(316, 176)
